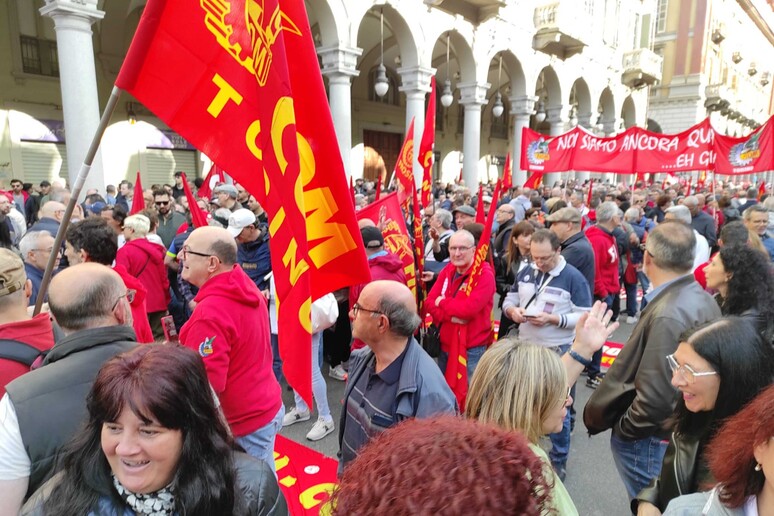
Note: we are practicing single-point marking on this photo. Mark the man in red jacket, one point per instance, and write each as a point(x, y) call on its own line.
point(606, 280)
point(383, 264)
point(447, 301)
point(229, 328)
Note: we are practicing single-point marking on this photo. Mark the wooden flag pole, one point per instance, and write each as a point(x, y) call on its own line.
point(83, 173)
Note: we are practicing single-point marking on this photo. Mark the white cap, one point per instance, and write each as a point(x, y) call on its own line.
point(239, 220)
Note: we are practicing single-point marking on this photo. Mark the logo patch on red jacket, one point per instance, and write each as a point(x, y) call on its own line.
point(205, 348)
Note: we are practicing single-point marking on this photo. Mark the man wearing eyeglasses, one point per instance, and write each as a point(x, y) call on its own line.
point(169, 220)
point(636, 398)
point(43, 409)
point(229, 328)
point(36, 247)
point(392, 379)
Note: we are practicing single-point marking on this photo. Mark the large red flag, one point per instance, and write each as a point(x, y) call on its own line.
point(419, 244)
point(457, 367)
point(218, 73)
point(508, 173)
point(425, 155)
point(198, 217)
point(404, 169)
point(205, 192)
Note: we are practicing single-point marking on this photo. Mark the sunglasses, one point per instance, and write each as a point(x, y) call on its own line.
point(162, 203)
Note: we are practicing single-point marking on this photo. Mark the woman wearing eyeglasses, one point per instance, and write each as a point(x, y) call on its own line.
point(741, 458)
point(718, 368)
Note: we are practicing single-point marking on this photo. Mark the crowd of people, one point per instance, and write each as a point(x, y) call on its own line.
point(98, 416)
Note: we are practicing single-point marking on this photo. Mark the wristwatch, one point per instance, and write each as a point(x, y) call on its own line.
point(575, 356)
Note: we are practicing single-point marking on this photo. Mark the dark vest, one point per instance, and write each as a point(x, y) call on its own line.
point(50, 402)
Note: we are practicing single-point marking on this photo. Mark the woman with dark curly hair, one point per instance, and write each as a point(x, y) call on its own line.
point(718, 368)
point(443, 465)
point(154, 443)
point(743, 278)
point(741, 458)
point(515, 259)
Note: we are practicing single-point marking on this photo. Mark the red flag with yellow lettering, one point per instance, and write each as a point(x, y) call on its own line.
point(219, 74)
point(404, 170)
point(456, 373)
point(425, 156)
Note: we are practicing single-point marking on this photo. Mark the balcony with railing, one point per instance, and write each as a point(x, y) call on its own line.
point(562, 28)
point(718, 97)
point(641, 67)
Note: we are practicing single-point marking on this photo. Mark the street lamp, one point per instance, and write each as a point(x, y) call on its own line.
point(381, 85)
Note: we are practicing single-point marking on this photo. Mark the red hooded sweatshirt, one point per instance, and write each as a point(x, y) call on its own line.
point(606, 280)
point(139, 311)
point(230, 330)
point(384, 267)
point(145, 261)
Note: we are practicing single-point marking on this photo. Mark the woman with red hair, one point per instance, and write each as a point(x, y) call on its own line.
point(741, 458)
point(443, 465)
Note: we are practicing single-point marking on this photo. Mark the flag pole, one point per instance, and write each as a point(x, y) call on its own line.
point(83, 173)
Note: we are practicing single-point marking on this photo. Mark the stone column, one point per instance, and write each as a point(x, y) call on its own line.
point(559, 118)
point(610, 128)
point(80, 103)
point(415, 83)
point(521, 109)
point(584, 121)
point(340, 66)
point(472, 97)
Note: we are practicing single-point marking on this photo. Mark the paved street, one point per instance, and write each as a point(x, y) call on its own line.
point(591, 480)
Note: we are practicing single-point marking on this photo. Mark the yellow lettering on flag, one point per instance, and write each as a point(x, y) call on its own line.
point(225, 93)
point(297, 268)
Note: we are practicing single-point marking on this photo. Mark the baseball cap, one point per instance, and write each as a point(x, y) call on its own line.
point(568, 214)
point(487, 199)
point(12, 275)
point(372, 237)
point(227, 188)
point(239, 220)
point(97, 207)
point(467, 210)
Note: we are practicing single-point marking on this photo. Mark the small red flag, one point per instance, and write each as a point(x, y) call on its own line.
point(425, 155)
point(352, 190)
point(591, 190)
point(761, 190)
point(198, 217)
point(508, 173)
point(480, 207)
point(205, 192)
point(138, 202)
point(459, 179)
point(378, 187)
point(534, 180)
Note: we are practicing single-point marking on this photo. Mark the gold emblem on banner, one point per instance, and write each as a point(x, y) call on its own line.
point(257, 59)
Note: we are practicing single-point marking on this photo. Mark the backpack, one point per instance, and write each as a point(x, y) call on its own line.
point(22, 353)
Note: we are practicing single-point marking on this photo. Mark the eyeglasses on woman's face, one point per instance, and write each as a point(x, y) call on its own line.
point(685, 371)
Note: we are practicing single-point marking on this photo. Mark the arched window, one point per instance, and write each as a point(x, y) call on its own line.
point(392, 97)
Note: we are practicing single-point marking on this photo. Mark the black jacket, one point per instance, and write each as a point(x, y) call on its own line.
point(50, 402)
point(636, 398)
point(577, 251)
point(683, 471)
point(254, 479)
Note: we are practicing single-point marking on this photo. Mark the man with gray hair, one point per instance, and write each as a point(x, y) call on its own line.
point(437, 248)
point(44, 408)
point(702, 222)
point(701, 253)
point(392, 379)
point(36, 248)
point(607, 283)
point(636, 398)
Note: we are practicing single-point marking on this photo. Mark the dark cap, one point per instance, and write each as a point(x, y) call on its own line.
point(372, 237)
point(44, 183)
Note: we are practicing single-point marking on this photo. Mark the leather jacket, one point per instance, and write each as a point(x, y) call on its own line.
point(636, 397)
point(682, 472)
